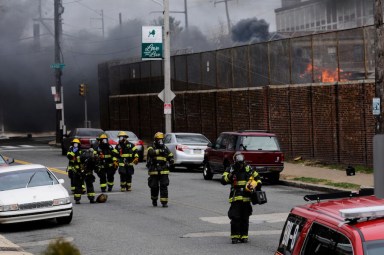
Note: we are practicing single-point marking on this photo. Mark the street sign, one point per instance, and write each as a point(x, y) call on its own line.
point(170, 94)
point(376, 106)
point(167, 108)
point(152, 43)
point(57, 66)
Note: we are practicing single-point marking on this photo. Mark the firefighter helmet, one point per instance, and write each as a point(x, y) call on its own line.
point(75, 141)
point(122, 133)
point(159, 135)
point(238, 157)
point(102, 198)
point(103, 136)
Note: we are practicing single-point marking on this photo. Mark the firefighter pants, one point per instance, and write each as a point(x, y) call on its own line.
point(70, 176)
point(126, 177)
point(107, 177)
point(159, 183)
point(239, 213)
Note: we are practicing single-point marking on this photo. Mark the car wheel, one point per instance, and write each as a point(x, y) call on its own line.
point(274, 178)
point(207, 173)
point(65, 220)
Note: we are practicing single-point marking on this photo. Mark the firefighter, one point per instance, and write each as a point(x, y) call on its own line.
point(159, 160)
point(238, 175)
point(88, 163)
point(106, 167)
point(127, 158)
point(74, 169)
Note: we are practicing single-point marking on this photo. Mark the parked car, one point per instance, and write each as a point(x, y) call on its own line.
point(87, 137)
point(187, 148)
point(261, 150)
point(5, 161)
point(32, 192)
point(132, 137)
point(342, 223)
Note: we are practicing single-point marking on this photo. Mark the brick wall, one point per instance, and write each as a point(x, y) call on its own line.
point(327, 122)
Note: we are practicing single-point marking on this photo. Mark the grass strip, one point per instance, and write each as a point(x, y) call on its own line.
point(344, 185)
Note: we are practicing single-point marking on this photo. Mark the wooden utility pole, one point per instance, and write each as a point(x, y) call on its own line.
point(379, 63)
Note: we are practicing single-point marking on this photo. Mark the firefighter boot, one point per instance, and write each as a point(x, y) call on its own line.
point(154, 202)
point(129, 187)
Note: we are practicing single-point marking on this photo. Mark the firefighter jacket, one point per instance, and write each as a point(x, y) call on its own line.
point(106, 155)
point(238, 178)
point(127, 153)
point(73, 155)
point(159, 159)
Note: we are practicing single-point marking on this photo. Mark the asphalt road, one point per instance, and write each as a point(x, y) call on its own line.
point(195, 222)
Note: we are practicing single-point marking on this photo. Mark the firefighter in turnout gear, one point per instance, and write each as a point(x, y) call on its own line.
point(106, 167)
point(127, 158)
point(238, 175)
point(159, 159)
point(74, 169)
point(87, 164)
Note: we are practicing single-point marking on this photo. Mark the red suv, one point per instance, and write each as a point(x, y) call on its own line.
point(350, 223)
point(260, 148)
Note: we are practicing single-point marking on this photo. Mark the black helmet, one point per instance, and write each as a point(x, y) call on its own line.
point(102, 198)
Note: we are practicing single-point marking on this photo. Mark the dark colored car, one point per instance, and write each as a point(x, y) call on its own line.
point(347, 223)
point(132, 137)
point(87, 137)
point(261, 150)
point(5, 161)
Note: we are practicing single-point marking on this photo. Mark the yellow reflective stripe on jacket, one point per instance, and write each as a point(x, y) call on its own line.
point(239, 198)
point(161, 158)
point(241, 183)
point(126, 155)
point(164, 172)
point(225, 175)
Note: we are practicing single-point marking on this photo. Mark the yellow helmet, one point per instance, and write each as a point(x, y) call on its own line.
point(76, 141)
point(102, 136)
point(122, 133)
point(159, 135)
point(102, 198)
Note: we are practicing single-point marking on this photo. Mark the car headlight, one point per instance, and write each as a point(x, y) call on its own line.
point(61, 201)
point(5, 208)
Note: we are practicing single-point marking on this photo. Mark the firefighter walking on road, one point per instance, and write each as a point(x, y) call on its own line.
point(128, 157)
point(238, 175)
point(88, 163)
point(106, 169)
point(159, 159)
point(74, 169)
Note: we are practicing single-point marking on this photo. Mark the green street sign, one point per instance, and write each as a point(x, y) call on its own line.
point(152, 43)
point(57, 66)
point(152, 51)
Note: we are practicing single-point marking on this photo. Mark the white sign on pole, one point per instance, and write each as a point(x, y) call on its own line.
point(170, 94)
point(167, 108)
point(152, 43)
point(376, 106)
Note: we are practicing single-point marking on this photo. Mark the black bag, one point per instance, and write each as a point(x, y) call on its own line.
point(258, 197)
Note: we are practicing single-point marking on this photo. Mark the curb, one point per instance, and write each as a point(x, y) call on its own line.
point(8, 248)
point(310, 186)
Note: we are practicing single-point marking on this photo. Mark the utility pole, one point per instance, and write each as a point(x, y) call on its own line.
point(185, 13)
point(378, 140)
point(167, 66)
point(102, 21)
point(60, 127)
point(227, 12)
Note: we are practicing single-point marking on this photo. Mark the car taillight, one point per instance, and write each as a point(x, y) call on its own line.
point(140, 142)
point(112, 142)
point(181, 147)
point(84, 140)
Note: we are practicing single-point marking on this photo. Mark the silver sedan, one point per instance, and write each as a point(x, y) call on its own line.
point(187, 148)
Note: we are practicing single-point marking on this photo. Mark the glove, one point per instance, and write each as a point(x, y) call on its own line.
point(115, 164)
point(135, 161)
point(101, 156)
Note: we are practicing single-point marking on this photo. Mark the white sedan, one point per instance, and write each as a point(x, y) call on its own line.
point(187, 148)
point(32, 192)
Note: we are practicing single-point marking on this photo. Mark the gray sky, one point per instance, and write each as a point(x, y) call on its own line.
point(205, 14)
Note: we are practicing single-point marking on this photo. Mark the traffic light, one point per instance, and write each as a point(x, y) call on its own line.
point(82, 89)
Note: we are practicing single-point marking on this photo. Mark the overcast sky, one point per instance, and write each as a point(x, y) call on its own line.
point(205, 14)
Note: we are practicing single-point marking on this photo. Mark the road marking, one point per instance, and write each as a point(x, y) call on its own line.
point(56, 170)
point(254, 219)
point(44, 242)
point(220, 234)
point(26, 146)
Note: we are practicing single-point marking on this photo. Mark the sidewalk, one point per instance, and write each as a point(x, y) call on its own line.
point(9, 248)
point(292, 171)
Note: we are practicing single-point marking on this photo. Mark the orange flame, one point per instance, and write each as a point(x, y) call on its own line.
point(326, 75)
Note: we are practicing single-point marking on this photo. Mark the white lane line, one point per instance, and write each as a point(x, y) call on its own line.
point(26, 146)
point(220, 234)
point(9, 147)
point(43, 242)
point(254, 219)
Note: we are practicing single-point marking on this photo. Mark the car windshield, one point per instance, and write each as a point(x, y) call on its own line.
point(113, 135)
point(374, 247)
point(26, 178)
point(88, 132)
point(185, 139)
point(264, 143)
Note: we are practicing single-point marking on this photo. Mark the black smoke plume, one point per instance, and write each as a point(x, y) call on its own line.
point(250, 30)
